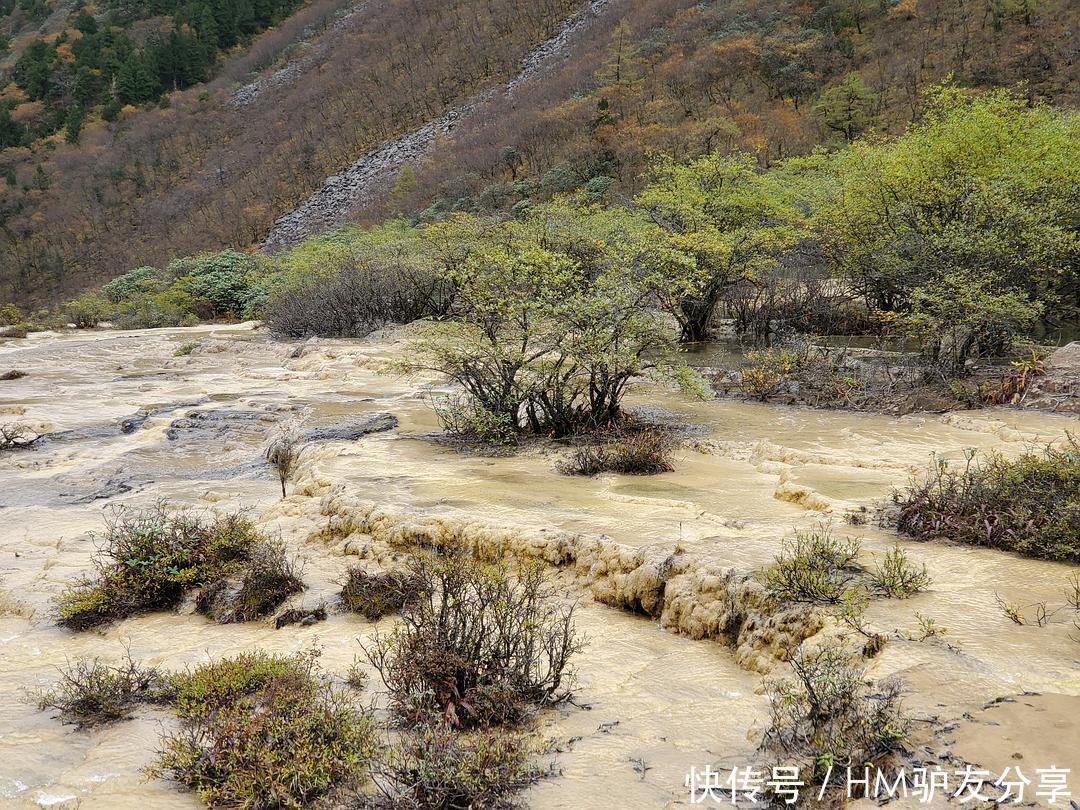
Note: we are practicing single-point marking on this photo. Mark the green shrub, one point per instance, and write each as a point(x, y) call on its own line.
point(171, 307)
point(149, 559)
point(142, 282)
point(829, 715)
point(228, 282)
point(465, 419)
point(215, 685)
point(10, 315)
point(814, 567)
point(898, 577)
point(641, 451)
point(1030, 505)
point(87, 311)
point(92, 693)
point(439, 768)
point(484, 644)
point(265, 732)
point(961, 316)
point(378, 595)
point(767, 373)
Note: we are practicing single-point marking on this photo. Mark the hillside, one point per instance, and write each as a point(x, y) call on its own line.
point(490, 106)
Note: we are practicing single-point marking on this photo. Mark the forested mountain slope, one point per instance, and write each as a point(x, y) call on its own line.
point(203, 172)
point(218, 163)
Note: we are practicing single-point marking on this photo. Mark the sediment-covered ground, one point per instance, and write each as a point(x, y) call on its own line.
point(679, 636)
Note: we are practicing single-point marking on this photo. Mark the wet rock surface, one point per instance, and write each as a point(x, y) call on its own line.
point(1059, 388)
point(349, 428)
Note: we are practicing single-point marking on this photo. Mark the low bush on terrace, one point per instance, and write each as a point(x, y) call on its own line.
point(92, 693)
point(486, 643)
point(767, 372)
point(261, 731)
point(1030, 505)
point(436, 767)
point(828, 714)
point(640, 451)
point(551, 321)
point(149, 559)
point(815, 566)
point(378, 595)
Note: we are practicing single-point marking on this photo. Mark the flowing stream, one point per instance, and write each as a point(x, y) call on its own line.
point(129, 422)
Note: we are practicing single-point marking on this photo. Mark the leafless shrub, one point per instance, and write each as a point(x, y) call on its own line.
point(360, 298)
point(90, 693)
point(15, 436)
point(283, 454)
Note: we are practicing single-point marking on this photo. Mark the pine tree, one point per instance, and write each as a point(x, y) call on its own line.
point(74, 124)
point(11, 134)
point(134, 82)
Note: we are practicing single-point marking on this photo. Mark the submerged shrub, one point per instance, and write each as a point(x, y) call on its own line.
point(828, 715)
point(465, 419)
point(92, 693)
point(644, 451)
point(256, 586)
point(816, 566)
point(150, 558)
point(898, 577)
point(377, 595)
point(436, 767)
point(262, 731)
point(484, 644)
point(1030, 504)
point(16, 436)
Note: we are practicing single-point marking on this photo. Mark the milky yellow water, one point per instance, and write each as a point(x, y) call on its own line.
point(752, 475)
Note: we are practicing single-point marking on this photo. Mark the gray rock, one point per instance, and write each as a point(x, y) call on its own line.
point(351, 428)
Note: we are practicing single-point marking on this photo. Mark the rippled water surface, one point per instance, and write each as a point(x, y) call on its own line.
point(118, 410)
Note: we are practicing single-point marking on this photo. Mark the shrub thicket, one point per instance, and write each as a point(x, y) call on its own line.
point(1030, 504)
point(378, 595)
point(262, 731)
point(485, 643)
point(634, 451)
point(150, 558)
